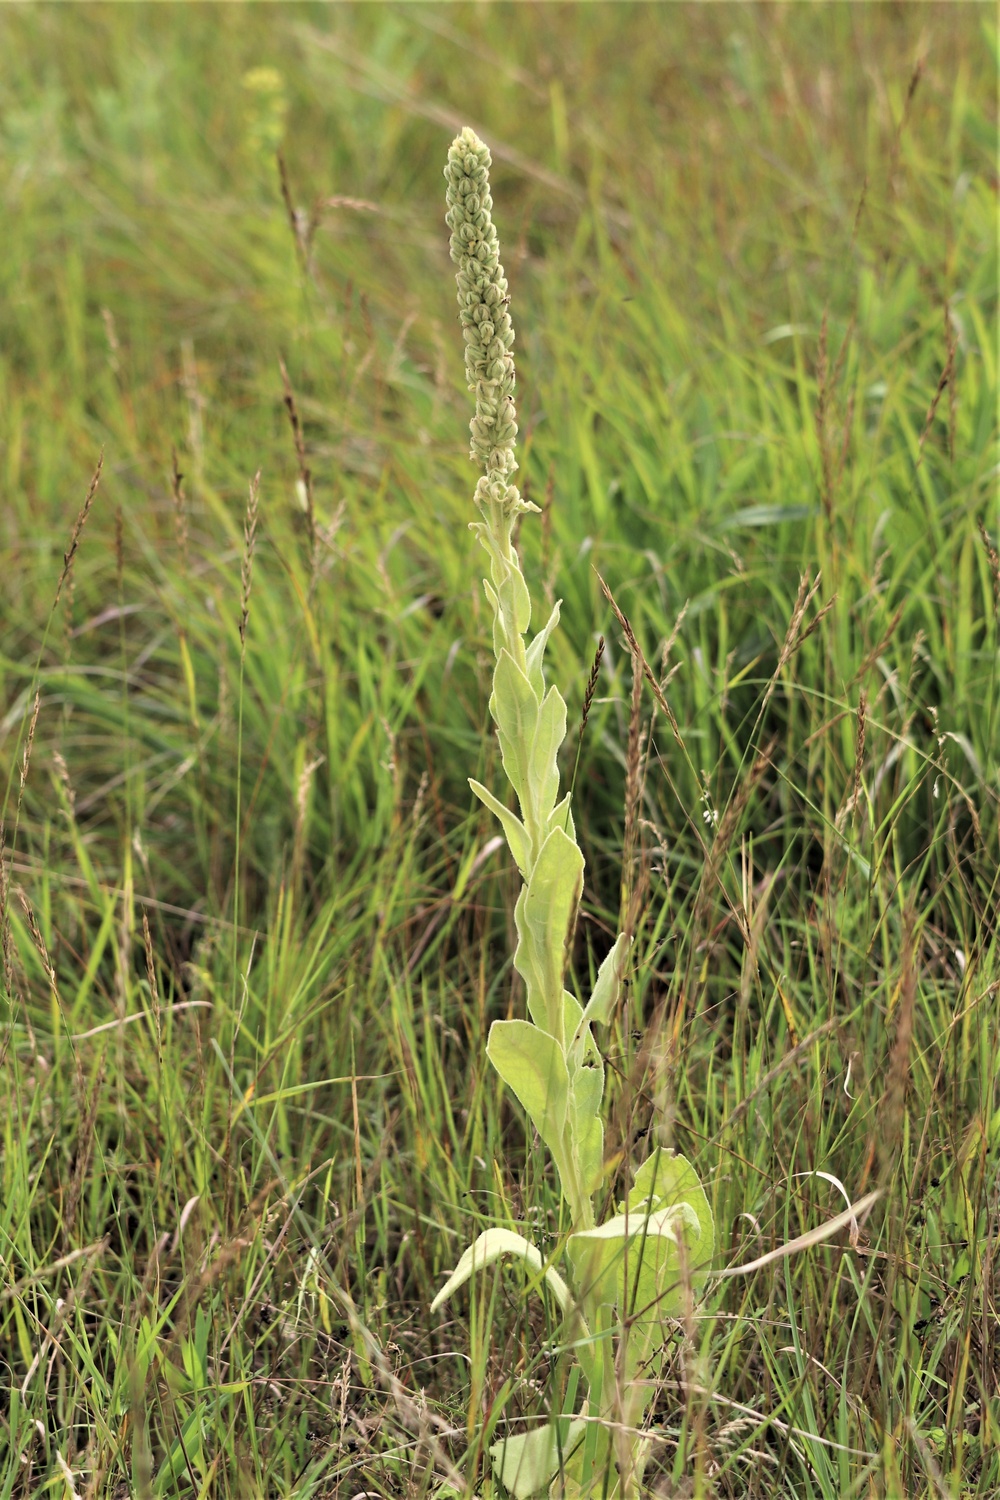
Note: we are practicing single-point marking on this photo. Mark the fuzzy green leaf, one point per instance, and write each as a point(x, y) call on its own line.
point(515, 710)
point(514, 596)
point(640, 1262)
point(599, 1255)
point(527, 1463)
point(516, 833)
point(543, 915)
point(633, 1264)
point(532, 1065)
point(667, 1178)
point(490, 1245)
point(500, 641)
point(543, 764)
point(536, 650)
point(608, 985)
point(561, 816)
point(586, 1093)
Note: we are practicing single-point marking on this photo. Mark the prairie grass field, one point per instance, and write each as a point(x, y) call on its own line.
point(255, 926)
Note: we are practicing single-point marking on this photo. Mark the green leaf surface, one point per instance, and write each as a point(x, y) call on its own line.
point(608, 985)
point(587, 1129)
point(527, 1463)
point(665, 1178)
point(543, 764)
point(513, 592)
point(489, 1247)
point(515, 831)
point(515, 709)
point(633, 1264)
point(532, 1065)
point(601, 1257)
point(639, 1264)
point(543, 915)
point(500, 641)
point(561, 816)
point(536, 650)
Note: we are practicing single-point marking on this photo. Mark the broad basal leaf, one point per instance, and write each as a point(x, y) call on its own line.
point(527, 1463)
point(634, 1263)
point(666, 1178)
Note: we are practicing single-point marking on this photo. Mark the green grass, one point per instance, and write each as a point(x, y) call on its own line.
point(744, 247)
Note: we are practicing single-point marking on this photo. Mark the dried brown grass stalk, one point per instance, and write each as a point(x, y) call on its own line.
point(85, 1140)
point(862, 201)
point(6, 939)
point(859, 743)
point(851, 805)
point(671, 641)
point(724, 833)
point(904, 119)
point(294, 218)
point(795, 635)
point(879, 650)
point(636, 651)
point(74, 540)
point(304, 226)
point(40, 947)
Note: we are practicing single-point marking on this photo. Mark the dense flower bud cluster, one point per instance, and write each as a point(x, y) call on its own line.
point(486, 325)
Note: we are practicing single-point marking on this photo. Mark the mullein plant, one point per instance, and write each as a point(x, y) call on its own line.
point(630, 1278)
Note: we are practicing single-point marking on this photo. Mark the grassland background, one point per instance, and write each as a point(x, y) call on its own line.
point(217, 1142)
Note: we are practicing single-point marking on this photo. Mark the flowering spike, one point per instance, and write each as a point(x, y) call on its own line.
point(486, 326)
